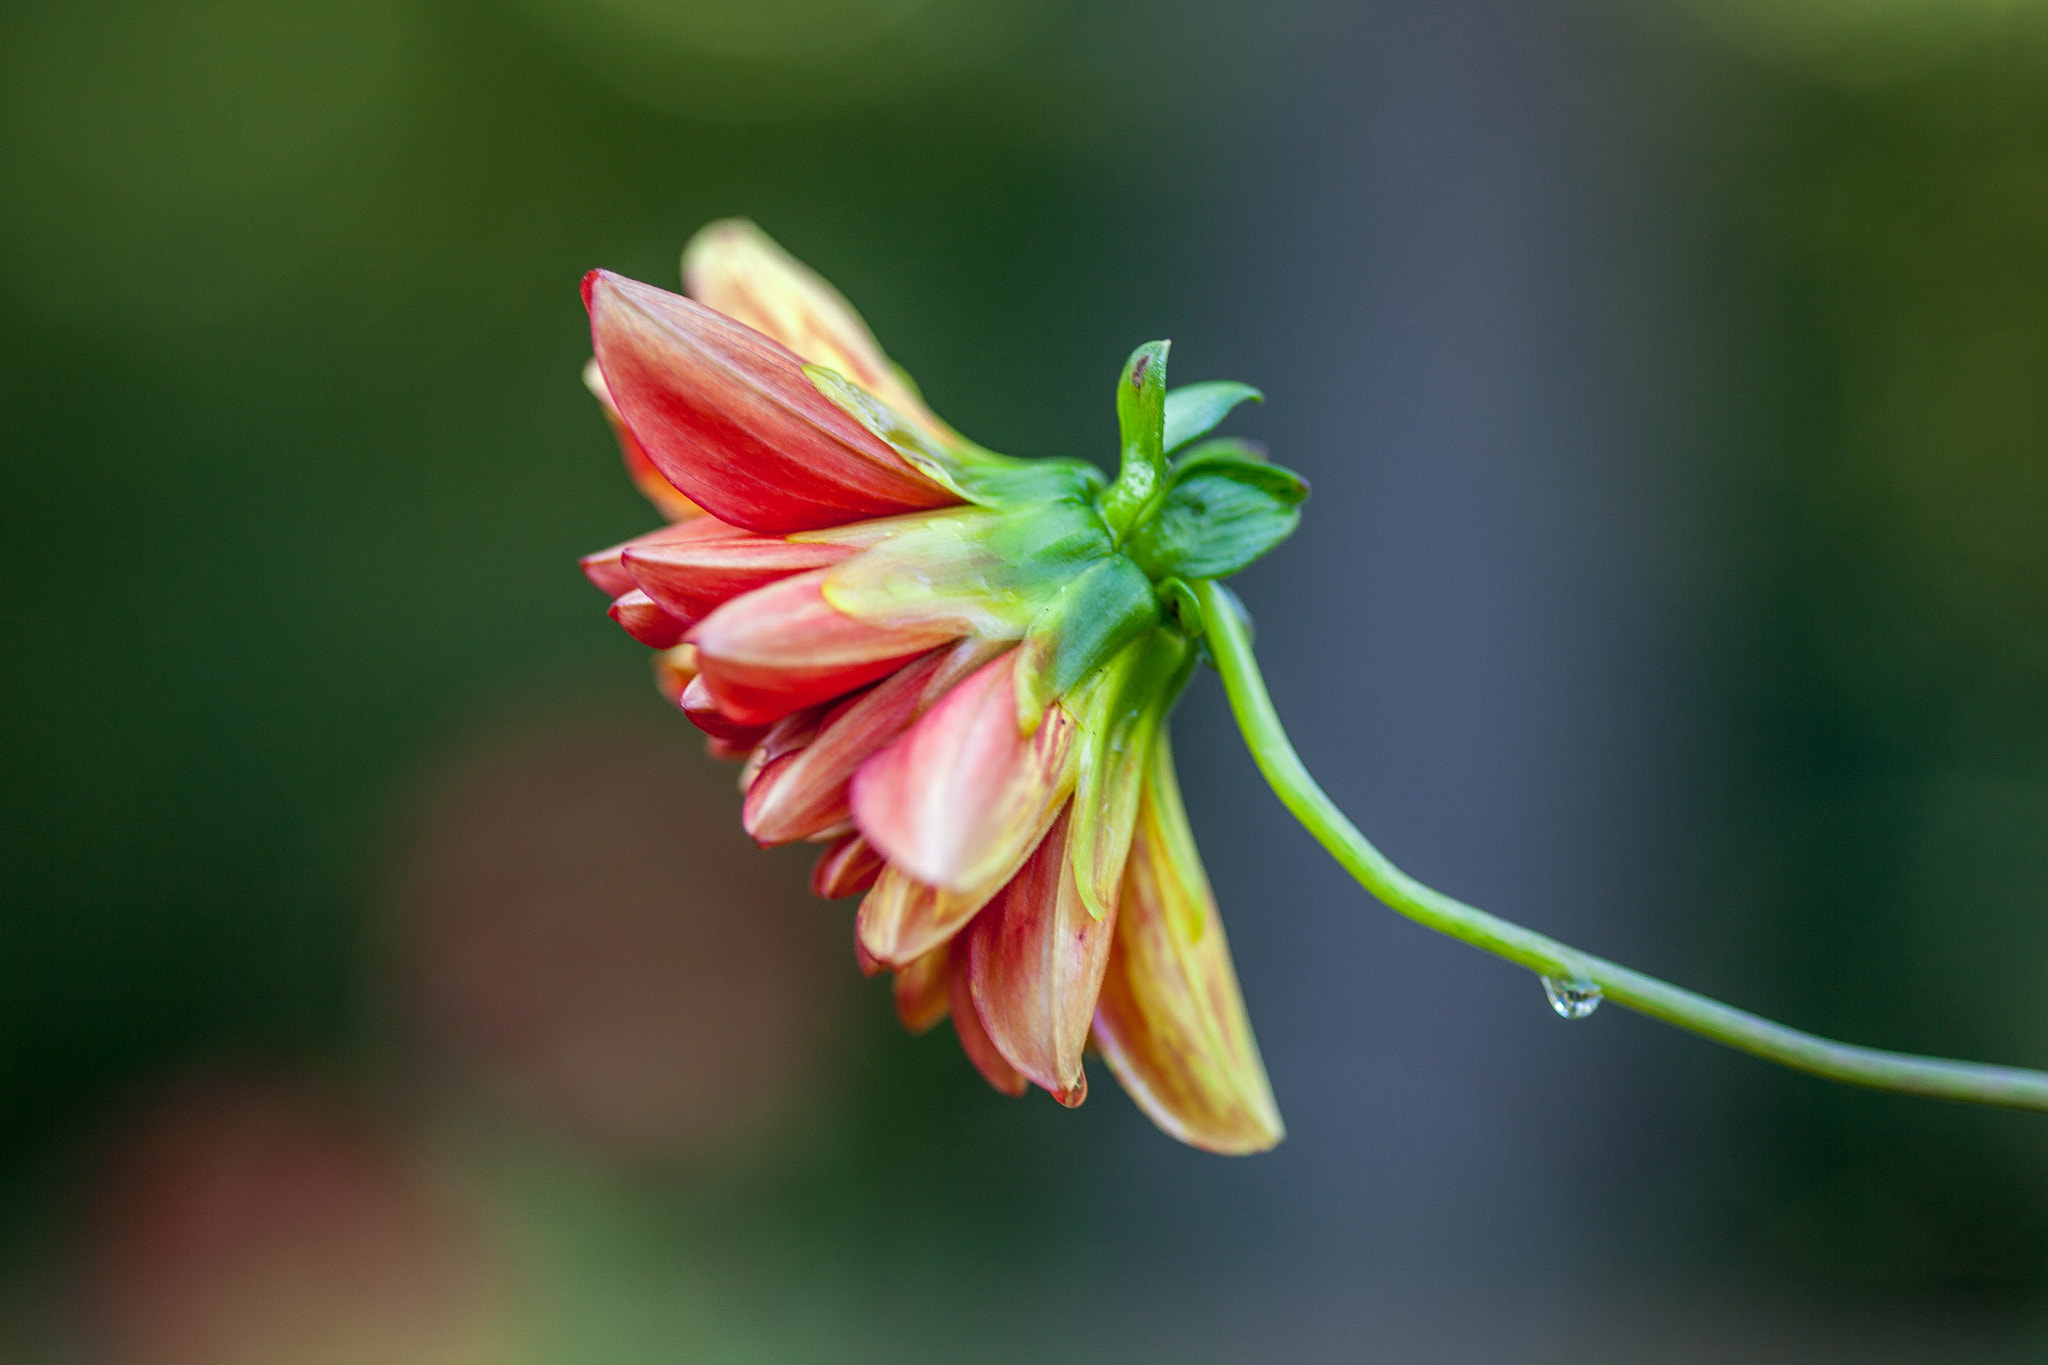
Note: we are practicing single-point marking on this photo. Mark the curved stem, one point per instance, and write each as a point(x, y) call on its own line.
point(1231, 648)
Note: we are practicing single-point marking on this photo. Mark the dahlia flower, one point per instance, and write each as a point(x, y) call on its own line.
point(952, 670)
point(949, 668)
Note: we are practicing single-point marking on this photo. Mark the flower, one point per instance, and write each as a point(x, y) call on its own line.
point(949, 667)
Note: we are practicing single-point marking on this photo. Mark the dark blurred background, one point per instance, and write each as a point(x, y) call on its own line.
point(383, 975)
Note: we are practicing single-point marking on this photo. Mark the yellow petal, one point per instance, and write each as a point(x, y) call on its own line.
point(1170, 1020)
point(738, 269)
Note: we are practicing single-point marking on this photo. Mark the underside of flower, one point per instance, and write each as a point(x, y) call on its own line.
point(949, 668)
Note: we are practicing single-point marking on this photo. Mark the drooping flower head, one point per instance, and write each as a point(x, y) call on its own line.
point(950, 668)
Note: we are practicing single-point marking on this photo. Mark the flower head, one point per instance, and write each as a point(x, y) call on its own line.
point(949, 667)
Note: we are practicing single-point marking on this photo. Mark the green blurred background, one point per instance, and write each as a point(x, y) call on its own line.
point(383, 976)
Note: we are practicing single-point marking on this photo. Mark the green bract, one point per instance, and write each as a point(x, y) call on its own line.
point(1094, 579)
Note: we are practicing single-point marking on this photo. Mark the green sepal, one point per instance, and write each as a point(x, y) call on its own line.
point(1219, 450)
point(1194, 410)
point(1093, 616)
point(1141, 418)
point(1122, 709)
point(1219, 514)
point(989, 573)
point(967, 471)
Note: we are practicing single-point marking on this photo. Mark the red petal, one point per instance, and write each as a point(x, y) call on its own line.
point(666, 497)
point(607, 568)
point(783, 647)
point(962, 798)
point(693, 578)
point(730, 419)
point(645, 621)
point(1036, 961)
point(726, 751)
point(699, 705)
point(847, 868)
point(736, 268)
point(974, 1041)
point(924, 990)
point(1170, 1020)
point(809, 794)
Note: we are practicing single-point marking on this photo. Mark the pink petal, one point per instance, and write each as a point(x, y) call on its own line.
point(1170, 1020)
point(847, 868)
point(975, 1042)
point(645, 621)
point(808, 794)
point(963, 798)
point(780, 648)
point(693, 578)
point(730, 419)
point(1036, 962)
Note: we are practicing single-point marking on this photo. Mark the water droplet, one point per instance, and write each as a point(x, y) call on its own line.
point(1572, 999)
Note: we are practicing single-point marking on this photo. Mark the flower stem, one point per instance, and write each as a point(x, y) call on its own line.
point(1231, 648)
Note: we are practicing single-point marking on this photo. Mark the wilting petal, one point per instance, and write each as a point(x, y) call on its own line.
point(728, 417)
point(693, 578)
point(963, 796)
point(673, 670)
point(847, 868)
point(1036, 958)
point(809, 793)
point(666, 497)
point(924, 989)
point(1170, 1020)
point(738, 269)
point(974, 1041)
point(645, 621)
point(903, 918)
point(782, 647)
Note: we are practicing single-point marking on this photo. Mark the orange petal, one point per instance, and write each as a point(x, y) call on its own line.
point(729, 417)
point(738, 269)
point(1036, 958)
point(666, 497)
point(902, 918)
point(963, 796)
point(1170, 1020)
point(645, 621)
point(782, 647)
point(847, 868)
point(974, 1041)
point(809, 794)
point(691, 578)
point(924, 989)
point(673, 670)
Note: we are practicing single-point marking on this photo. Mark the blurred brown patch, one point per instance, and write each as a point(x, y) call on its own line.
point(248, 1223)
point(587, 930)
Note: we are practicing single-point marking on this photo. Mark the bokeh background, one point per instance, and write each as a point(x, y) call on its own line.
point(383, 976)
